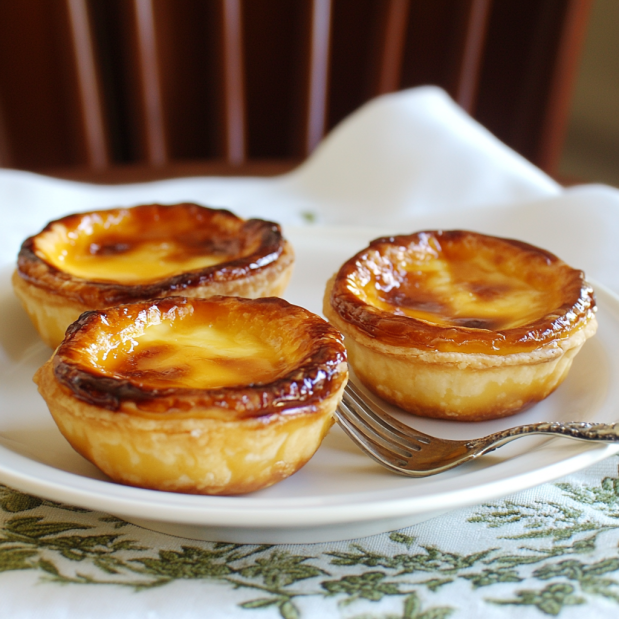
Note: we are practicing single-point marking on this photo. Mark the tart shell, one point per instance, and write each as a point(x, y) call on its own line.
point(459, 372)
point(259, 265)
point(228, 440)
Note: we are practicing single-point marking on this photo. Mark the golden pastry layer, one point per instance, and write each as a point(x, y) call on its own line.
point(460, 325)
point(209, 396)
point(103, 258)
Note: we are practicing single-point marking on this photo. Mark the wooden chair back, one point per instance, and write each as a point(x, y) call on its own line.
point(104, 89)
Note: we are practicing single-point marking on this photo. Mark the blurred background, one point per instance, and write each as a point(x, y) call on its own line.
point(121, 90)
point(591, 149)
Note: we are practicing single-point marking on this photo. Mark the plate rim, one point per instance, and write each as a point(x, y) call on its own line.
point(298, 516)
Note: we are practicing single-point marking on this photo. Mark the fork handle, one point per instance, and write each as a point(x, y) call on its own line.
point(578, 430)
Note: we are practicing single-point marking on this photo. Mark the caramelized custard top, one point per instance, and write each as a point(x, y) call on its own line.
point(247, 357)
point(171, 352)
point(121, 255)
point(457, 291)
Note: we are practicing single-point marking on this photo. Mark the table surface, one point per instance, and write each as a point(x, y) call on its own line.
point(551, 551)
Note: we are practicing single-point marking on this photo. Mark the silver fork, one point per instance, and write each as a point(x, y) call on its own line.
point(407, 451)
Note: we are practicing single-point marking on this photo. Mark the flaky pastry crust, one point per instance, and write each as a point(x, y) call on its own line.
point(145, 421)
point(206, 252)
point(459, 325)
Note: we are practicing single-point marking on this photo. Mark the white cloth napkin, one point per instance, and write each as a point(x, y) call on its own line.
point(406, 161)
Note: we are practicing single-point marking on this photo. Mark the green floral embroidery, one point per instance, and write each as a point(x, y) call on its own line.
point(550, 600)
point(370, 586)
point(14, 501)
point(190, 563)
point(589, 577)
point(604, 497)
point(552, 550)
point(412, 610)
point(430, 560)
point(401, 538)
point(489, 577)
point(279, 569)
point(16, 559)
point(543, 519)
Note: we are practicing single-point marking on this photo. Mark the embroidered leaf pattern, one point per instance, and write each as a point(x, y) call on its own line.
point(289, 611)
point(434, 584)
point(14, 502)
point(431, 559)
point(16, 559)
point(279, 569)
point(543, 519)
point(401, 538)
point(117, 523)
point(489, 577)
point(549, 600)
point(370, 586)
point(590, 577)
point(190, 563)
point(413, 610)
point(36, 528)
point(560, 547)
point(260, 603)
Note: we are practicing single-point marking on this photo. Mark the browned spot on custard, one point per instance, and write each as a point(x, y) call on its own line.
point(132, 366)
point(413, 299)
point(488, 292)
point(166, 377)
point(150, 352)
point(109, 247)
point(477, 323)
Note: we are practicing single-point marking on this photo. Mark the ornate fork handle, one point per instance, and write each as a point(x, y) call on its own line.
point(407, 451)
point(584, 431)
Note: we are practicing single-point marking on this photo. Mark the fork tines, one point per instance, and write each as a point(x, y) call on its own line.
point(374, 429)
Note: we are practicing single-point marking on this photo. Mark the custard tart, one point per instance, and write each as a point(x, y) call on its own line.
point(460, 325)
point(207, 396)
point(103, 258)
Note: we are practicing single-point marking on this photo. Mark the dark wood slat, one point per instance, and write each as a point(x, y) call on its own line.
point(234, 82)
point(556, 114)
point(274, 77)
point(38, 84)
point(318, 75)
point(392, 46)
point(157, 152)
point(5, 150)
point(89, 87)
point(469, 69)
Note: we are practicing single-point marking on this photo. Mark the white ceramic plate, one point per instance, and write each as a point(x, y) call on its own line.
point(340, 493)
